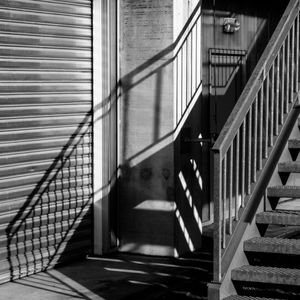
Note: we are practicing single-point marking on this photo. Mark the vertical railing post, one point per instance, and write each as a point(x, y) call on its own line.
point(217, 196)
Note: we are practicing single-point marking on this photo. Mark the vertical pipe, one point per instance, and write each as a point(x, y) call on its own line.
point(271, 129)
point(237, 179)
point(224, 181)
point(230, 188)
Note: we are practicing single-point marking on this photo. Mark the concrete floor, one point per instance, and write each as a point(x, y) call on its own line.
point(125, 276)
point(119, 276)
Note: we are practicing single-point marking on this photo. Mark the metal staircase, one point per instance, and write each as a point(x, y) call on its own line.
point(274, 261)
point(249, 263)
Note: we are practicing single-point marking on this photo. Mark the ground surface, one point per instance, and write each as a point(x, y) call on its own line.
point(120, 276)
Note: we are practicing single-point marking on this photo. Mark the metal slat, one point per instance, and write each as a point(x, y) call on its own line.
point(25, 157)
point(50, 120)
point(37, 18)
point(26, 191)
point(46, 7)
point(45, 127)
point(43, 166)
point(41, 99)
point(55, 143)
point(27, 51)
point(44, 30)
point(39, 41)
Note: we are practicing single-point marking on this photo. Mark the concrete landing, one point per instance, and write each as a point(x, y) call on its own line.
point(119, 276)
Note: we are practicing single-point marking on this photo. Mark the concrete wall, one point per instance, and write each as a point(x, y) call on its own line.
point(146, 113)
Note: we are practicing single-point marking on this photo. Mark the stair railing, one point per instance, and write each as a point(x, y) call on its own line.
point(244, 144)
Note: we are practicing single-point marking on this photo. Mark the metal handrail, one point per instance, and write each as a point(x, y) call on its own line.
point(249, 132)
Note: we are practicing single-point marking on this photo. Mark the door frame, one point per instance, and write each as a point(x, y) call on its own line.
point(104, 73)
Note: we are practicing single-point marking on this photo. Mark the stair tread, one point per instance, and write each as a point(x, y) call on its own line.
point(294, 143)
point(238, 297)
point(291, 191)
point(269, 275)
point(273, 245)
point(289, 166)
point(291, 218)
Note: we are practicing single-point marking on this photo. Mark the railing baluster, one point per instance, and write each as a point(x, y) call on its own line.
point(191, 67)
point(266, 135)
point(230, 188)
point(293, 63)
point(243, 163)
point(186, 73)
point(176, 89)
point(271, 129)
point(254, 167)
point(297, 54)
point(249, 140)
point(282, 83)
point(218, 213)
point(224, 200)
point(260, 139)
point(277, 95)
point(287, 100)
point(237, 179)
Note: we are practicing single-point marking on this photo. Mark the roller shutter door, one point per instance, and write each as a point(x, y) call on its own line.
point(45, 134)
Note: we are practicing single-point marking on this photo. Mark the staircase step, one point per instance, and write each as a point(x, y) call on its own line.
point(238, 297)
point(294, 144)
point(273, 245)
point(289, 218)
point(289, 167)
point(289, 191)
point(267, 275)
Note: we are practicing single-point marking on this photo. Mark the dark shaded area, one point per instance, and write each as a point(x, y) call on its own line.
point(124, 276)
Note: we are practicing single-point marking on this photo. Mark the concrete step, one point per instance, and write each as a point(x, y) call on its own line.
point(267, 275)
point(289, 218)
point(238, 297)
point(273, 245)
point(289, 167)
point(289, 191)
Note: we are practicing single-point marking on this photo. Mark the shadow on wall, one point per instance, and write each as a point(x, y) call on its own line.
point(54, 224)
point(148, 204)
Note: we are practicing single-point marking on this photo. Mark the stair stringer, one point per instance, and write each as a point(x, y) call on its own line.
point(246, 227)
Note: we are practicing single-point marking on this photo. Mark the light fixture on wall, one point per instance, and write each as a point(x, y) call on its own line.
point(231, 25)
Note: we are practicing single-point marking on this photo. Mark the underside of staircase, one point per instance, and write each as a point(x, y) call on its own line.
point(274, 258)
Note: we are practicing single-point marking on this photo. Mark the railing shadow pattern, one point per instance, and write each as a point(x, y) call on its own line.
point(54, 223)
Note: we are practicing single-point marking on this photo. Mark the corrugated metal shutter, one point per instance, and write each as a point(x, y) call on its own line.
point(45, 134)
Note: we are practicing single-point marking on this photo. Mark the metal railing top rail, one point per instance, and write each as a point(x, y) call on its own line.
point(253, 85)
